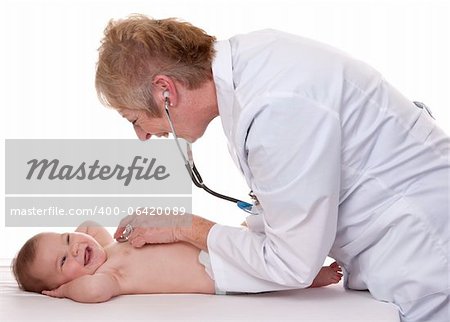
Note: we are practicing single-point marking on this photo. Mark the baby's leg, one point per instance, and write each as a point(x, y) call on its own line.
point(328, 275)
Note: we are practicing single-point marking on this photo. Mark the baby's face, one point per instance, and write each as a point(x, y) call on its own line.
point(61, 258)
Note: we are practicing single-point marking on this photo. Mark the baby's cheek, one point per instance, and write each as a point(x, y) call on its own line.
point(74, 271)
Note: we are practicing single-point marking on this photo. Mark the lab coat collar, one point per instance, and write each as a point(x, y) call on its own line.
point(223, 79)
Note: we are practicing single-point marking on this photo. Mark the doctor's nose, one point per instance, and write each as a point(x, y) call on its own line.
point(141, 134)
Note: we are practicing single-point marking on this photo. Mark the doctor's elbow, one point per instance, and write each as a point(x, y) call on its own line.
point(309, 279)
point(293, 270)
point(306, 279)
point(292, 277)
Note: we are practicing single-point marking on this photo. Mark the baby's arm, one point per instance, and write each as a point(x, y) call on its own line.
point(95, 288)
point(101, 235)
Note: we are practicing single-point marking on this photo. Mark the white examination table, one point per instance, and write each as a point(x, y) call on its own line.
point(331, 303)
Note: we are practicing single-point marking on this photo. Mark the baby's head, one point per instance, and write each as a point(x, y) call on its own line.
point(49, 260)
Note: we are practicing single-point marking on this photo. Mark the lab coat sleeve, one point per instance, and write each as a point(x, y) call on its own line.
point(293, 156)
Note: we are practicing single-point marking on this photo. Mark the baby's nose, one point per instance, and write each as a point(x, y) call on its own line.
point(75, 249)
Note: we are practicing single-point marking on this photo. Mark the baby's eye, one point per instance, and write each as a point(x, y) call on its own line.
point(68, 236)
point(63, 260)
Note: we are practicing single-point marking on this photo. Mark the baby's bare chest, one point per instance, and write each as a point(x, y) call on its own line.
point(135, 268)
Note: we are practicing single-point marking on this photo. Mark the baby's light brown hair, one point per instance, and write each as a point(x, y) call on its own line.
point(21, 267)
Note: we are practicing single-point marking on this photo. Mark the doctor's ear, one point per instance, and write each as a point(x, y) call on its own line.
point(164, 88)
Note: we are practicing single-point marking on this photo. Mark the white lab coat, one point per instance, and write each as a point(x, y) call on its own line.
point(342, 164)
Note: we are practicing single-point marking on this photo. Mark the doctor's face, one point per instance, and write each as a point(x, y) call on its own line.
point(144, 125)
point(191, 111)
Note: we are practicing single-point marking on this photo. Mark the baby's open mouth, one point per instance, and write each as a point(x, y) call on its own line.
point(87, 255)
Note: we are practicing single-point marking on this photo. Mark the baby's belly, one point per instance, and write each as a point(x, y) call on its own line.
point(162, 268)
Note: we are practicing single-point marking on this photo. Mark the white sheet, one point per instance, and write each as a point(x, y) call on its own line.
point(324, 304)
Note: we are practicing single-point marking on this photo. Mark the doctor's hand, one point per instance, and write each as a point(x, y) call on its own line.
point(162, 229)
point(152, 228)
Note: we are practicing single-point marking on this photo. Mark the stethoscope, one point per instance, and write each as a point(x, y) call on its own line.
point(195, 175)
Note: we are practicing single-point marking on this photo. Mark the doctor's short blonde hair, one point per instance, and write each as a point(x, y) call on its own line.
point(136, 49)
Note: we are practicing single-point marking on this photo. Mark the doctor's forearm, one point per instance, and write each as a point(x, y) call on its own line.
point(197, 233)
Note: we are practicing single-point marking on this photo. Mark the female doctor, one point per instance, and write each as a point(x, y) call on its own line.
point(341, 163)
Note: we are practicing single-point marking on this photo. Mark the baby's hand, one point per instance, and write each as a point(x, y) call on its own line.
point(57, 292)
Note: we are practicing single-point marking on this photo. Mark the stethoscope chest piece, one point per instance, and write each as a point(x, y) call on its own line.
point(126, 233)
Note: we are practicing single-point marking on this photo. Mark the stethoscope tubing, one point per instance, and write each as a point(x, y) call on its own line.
point(193, 171)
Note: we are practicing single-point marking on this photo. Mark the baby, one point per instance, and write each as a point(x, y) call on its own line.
point(89, 266)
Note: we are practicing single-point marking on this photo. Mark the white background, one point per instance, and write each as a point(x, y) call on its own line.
point(49, 51)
